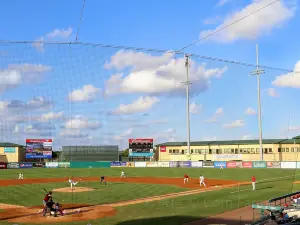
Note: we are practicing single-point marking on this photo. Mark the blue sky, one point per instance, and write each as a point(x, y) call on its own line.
point(95, 95)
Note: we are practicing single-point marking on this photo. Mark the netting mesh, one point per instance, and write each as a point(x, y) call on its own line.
point(93, 95)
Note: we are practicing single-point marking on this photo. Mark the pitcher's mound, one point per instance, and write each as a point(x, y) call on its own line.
point(75, 189)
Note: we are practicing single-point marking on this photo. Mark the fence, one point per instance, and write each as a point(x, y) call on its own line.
point(171, 164)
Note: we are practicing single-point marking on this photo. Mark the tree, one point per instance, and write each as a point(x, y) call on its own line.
point(55, 155)
point(125, 153)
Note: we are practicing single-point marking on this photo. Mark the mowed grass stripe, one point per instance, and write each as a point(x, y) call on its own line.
point(241, 174)
point(110, 193)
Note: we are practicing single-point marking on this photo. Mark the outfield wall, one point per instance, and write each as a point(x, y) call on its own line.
point(172, 164)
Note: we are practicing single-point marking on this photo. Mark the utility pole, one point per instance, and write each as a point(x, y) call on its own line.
point(187, 83)
point(258, 72)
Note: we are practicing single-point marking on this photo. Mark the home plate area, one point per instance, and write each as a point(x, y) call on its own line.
point(73, 212)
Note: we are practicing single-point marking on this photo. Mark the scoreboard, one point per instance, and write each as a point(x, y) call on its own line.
point(142, 147)
point(38, 148)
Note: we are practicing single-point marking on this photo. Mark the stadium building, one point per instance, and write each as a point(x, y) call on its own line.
point(90, 153)
point(10, 152)
point(244, 150)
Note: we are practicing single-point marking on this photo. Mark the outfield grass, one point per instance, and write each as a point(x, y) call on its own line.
point(229, 174)
point(174, 211)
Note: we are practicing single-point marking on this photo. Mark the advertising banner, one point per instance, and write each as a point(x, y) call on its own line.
point(25, 165)
point(140, 164)
point(197, 164)
point(9, 150)
point(273, 164)
point(247, 164)
point(208, 164)
point(38, 148)
point(13, 166)
point(259, 164)
point(163, 164)
point(185, 164)
point(117, 164)
point(220, 164)
point(288, 165)
point(129, 164)
point(174, 164)
point(38, 165)
point(3, 165)
point(163, 148)
point(231, 164)
point(227, 156)
point(63, 164)
point(51, 164)
point(151, 164)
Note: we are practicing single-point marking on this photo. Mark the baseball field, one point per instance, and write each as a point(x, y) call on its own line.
point(146, 196)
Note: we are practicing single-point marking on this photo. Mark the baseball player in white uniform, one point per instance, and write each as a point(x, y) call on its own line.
point(202, 181)
point(72, 182)
point(122, 174)
point(21, 176)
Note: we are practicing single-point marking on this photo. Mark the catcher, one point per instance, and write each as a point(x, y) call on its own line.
point(53, 207)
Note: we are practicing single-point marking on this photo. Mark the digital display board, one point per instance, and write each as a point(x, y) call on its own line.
point(141, 147)
point(38, 148)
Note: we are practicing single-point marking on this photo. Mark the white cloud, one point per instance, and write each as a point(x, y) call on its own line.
point(71, 133)
point(17, 74)
point(219, 111)
point(272, 92)
point(247, 137)
point(166, 135)
point(250, 111)
point(81, 123)
point(156, 74)
point(54, 34)
point(125, 135)
point(16, 129)
point(195, 108)
point(222, 2)
point(142, 104)
point(41, 129)
point(212, 20)
point(60, 33)
point(86, 94)
point(252, 27)
point(214, 118)
point(213, 138)
point(294, 128)
point(235, 124)
point(291, 80)
point(39, 103)
point(51, 116)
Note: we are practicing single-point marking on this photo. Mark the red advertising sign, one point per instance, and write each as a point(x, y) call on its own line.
point(38, 140)
point(163, 149)
point(141, 140)
point(231, 164)
point(3, 165)
point(247, 164)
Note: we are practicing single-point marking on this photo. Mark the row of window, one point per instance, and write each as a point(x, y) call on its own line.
point(232, 151)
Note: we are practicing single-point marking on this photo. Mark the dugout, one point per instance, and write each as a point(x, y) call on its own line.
point(90, 153)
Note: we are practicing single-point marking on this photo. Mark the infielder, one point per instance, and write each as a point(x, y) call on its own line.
point(21, 176)
point(185, 178)
point(202, 181)
point(72, 182)
point(122, 174)
point(253, 179)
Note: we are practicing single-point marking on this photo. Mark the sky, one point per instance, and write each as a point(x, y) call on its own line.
point(91, 95)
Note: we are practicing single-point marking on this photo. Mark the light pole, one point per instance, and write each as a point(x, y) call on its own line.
point(187, 83)
point(258, 72)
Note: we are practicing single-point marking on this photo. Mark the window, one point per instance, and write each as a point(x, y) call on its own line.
point(170, 151)
point(265, 150)
point(292, 149)
point(185, 151)
point(192, 151)
point(220, 151)
point(257, 150)
point(283, 150)
point(173, 151)
point(298, 149)
point(236, 151)
point(252, 150)
point(177, 151)
point(232, 151)
point(241, 150)
point(270, 150)
point(244, 150)
point(182, 152)
point(213, 151)
point(287, 149)
point(248, 150)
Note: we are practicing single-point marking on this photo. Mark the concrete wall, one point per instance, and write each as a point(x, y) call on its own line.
point(16, 154)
